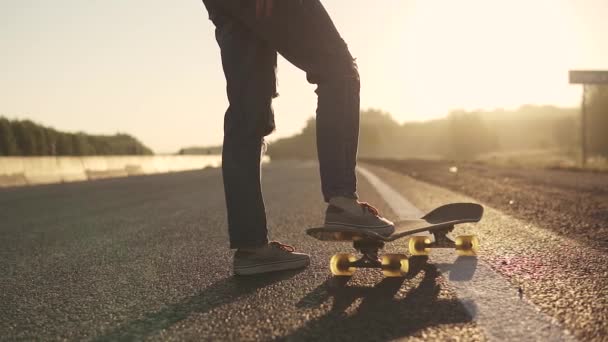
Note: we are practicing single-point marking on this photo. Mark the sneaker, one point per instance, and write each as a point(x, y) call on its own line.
point(350, 213)
point(275, 256)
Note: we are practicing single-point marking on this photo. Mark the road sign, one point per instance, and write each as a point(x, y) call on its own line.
point(588, 77)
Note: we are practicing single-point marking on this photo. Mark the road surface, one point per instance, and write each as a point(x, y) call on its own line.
point(147, 258)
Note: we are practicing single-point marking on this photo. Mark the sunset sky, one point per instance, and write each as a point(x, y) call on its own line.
point(151, 68)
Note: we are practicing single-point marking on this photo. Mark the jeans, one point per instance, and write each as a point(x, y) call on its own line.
point(250, 33)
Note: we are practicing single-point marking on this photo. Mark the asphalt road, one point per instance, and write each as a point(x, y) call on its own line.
point(147, 258)
point(572, 203)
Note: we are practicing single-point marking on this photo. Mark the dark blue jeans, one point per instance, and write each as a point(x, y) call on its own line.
point(250, 33)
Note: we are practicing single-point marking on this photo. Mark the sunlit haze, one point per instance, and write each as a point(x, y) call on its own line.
point(152, 69)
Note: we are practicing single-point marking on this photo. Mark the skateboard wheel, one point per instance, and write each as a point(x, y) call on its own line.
point(395, 265)
point(467, 245)
point(340, 264)
point(419, 245)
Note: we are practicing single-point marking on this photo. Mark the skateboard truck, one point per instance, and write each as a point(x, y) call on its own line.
point(392, 265)
point(442, 240)
point(369, 250)
point(465, 245)
point(421, 245)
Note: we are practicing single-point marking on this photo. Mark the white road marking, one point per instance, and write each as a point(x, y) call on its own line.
point(489, 298)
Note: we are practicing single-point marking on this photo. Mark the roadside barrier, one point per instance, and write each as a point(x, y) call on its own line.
point(19, 171)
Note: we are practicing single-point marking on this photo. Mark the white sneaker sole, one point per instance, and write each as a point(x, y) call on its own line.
point(276, 266)
point(384, 230)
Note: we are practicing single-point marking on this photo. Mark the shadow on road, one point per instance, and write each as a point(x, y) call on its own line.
point(220, 293)
point(390, 310)
point(383, 312)
point(462, 269)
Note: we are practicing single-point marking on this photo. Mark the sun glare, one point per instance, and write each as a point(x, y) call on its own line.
point(484, 54)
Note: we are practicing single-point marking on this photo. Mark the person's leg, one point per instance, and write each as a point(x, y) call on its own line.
point(303, 32)
point(249, 66)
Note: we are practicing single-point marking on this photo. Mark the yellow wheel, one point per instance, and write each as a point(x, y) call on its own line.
point(467, 245)
point(340, 264)
point(419, 245)
point(395, 265)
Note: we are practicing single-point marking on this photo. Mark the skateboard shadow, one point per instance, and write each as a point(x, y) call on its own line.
point(462, 269)
point(220, 293)
point(384, 312)
point(338, 284)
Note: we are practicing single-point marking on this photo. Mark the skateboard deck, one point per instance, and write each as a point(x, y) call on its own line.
point(438, 222)
point(445, 216)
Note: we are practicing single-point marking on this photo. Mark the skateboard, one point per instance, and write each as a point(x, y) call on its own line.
point(438, 222)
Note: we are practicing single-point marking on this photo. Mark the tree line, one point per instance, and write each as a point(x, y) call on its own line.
point(195, 150)
point(26, 138)
point(465, 135)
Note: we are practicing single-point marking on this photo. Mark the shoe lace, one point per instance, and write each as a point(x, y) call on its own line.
point(370, 208)
point(277, 244)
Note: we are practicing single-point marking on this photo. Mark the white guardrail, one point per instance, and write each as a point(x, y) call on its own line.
point(18, 171)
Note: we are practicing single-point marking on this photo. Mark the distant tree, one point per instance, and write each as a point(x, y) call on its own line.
point(51, 141)
point(79, 144)
point(300, 146)
point(461, 135)
point(65, 146)
point(8, 143)
point(528, 127)
point(566, 133)
point(41, 146)
point(468, 135)
point(597, 120)
point(377, 133)
point(24, 137)
point(201, 150)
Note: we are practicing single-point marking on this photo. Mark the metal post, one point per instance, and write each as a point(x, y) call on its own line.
point(584, 128)
point(586, 77)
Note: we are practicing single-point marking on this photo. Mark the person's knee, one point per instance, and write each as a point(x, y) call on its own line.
point(353, 70)
point(345, 71)
point(250, 119)
point(351, 76)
